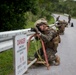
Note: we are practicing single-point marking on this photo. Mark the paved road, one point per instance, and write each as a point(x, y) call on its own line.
point(67, 53)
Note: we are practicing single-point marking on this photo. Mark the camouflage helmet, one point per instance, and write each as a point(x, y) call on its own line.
point(41, 21)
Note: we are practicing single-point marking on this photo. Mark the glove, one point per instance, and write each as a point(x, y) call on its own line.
point(34, 29)
point(37, 31)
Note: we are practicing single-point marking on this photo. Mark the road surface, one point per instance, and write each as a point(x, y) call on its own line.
point(66, 51)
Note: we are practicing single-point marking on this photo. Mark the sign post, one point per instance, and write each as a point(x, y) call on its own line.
point(20, 54)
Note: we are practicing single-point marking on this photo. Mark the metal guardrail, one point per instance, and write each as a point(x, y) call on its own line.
point(13, 33)
point(9, 34)
point(6, 38)
point(8, 44)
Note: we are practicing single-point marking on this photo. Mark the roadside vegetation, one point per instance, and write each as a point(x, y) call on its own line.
point(6, 62)
point(17, 14)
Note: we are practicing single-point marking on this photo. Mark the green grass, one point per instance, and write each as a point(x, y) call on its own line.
point(34, 46)
point(29, 25)
point(6, 62)
point(51, 21)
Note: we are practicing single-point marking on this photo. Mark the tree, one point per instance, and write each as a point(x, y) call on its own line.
point(12, 13)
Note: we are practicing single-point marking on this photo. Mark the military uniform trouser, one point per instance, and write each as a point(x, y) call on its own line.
point(50, 54)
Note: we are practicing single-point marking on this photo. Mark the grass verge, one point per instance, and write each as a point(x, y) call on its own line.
point(6, 60)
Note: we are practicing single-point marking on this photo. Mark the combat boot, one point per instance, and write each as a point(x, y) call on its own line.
point(57, 61)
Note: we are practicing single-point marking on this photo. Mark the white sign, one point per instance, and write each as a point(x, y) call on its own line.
point(20, 51)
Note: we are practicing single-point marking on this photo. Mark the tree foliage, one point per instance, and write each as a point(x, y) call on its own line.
point(66, 6)
point(12, 13)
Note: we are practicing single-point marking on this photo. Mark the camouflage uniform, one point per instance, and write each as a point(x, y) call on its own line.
point(61, 26)
point(69, 19)
point(51, 40)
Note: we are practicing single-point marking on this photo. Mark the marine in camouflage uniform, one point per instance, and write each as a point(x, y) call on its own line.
point(61, 26)
point(69, 19)
point(51, 40)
